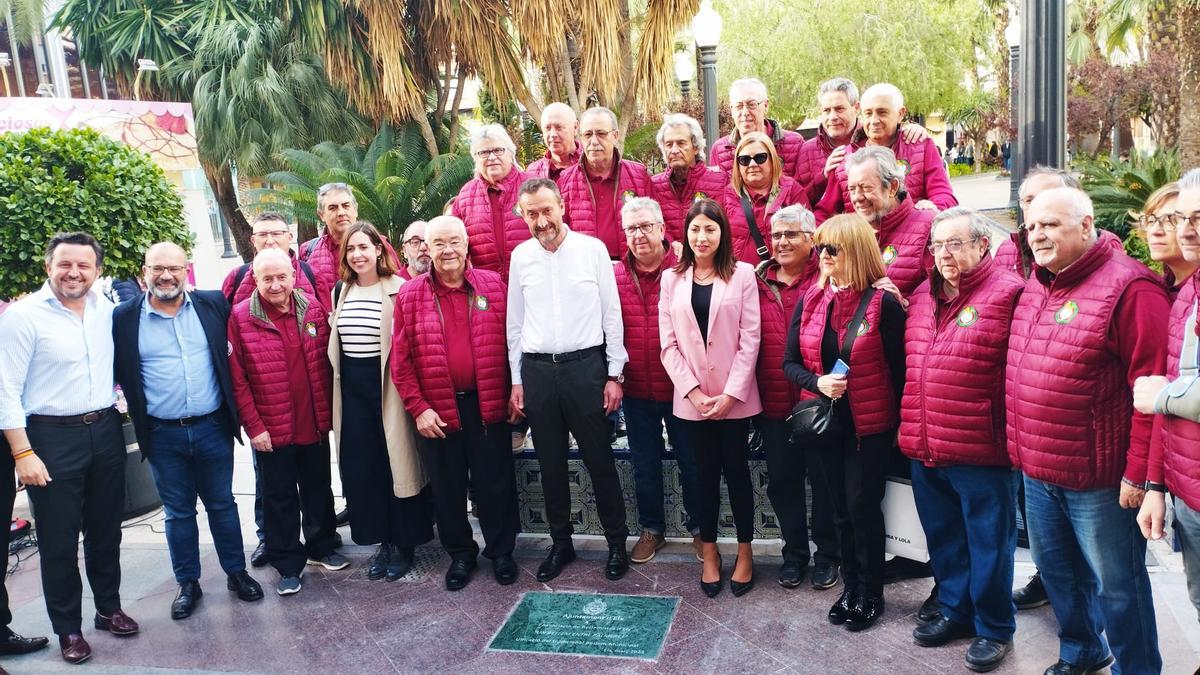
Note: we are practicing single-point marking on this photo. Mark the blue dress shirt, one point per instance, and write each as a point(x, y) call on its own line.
point(177, 370)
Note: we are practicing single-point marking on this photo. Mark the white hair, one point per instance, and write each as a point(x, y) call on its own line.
point(671, 120)
point(493, 132)
point(1080, 203)
point(271, 255)
point(556, 106)
point(1190, 180)
point(600, 110)
point(886, 89)
point(885, 163)
point(448, 221)
point(642, 204)
point(796, 213)
point(979, 225)
point(841, 84)
point(748, 83)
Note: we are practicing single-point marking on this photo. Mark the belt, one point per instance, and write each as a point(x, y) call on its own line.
point(185, 421)
point(567, 356)
point(86, 418)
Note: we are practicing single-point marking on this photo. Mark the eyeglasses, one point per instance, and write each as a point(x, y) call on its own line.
point(758, 158)
point(413, 241)
point(644, 228)
point(271, 234)
point(441, 245)
point(1181, 219)
point(175, 270)
point(592, 134)
point(792, 235)
point(490, 152)
point(831, 250)
point(952, 246)
point(750, 105)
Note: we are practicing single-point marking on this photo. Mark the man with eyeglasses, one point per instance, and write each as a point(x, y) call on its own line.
point(338, 209)
point(594, 190)
point(647, 388)
point(963, 483)
point(687, 178)
point(1014, 253)
point(269, 230)
point(173, 366)
point(487, 203)
point(749, 104)
point(1175, 402)
point(1088, 324)
point(414, 251)
point(560, 127)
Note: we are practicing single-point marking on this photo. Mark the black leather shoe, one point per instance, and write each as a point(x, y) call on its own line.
point(825, 575)
point(941, 631)
point(556, 559)
point(259, 557)
point(618, 561)
point(791, 573)
point(247, 589)
point(931, 609)
point(864, 614)
point(459, 574)
point(186, 600)
point(1066, 668)
point(13, 644)
point(1032, 594)
point(377, 566)
point(505, 570)
point(899, 569)
point(985, 654)
point(342, 518)
point(400, 561)
point(841, 609)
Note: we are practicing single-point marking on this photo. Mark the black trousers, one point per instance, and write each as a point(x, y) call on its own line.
point(723, 447)
point(855, 471)
point(86, 494)
point(8, 493)
point(295, 480)
point(787, 466)
point(484, 454)
point(568, 397)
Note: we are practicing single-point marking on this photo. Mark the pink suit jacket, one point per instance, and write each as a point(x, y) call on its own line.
point(726, 365)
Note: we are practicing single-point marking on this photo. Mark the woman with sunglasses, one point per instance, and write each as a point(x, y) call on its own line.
point(1158, 230)
point(487, 203)
point(708, 318)
point(759, 189)
point(864, 384)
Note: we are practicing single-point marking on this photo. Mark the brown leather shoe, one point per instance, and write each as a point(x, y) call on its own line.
point(646, 547)
point(74, 648)
point(699, 546)
point(117, 624)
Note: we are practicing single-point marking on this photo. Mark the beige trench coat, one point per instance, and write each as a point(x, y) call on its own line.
point(408, 474)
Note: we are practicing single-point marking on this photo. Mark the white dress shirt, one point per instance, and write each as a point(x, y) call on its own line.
point(52, 362)
point(564, 301)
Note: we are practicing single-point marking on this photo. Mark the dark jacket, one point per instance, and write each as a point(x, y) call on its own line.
point(213, 311)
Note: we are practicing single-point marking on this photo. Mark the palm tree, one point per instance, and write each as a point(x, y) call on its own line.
point(1188, 16)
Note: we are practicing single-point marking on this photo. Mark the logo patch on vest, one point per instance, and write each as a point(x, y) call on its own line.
point(1066, 312)
point(698, 196)
point(311, 329)
point(904, 166)
point(627, 195)
point(228, 348)
point(863, 328)
point(481, 303)
point(889, 254)
point(967, 317)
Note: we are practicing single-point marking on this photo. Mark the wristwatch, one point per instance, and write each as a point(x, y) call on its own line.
point(1155, 487)
point(619, 379)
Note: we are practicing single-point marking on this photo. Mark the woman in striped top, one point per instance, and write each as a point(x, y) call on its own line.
point(382, 477)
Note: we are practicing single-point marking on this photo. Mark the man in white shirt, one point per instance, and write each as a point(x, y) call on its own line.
point(566, 342)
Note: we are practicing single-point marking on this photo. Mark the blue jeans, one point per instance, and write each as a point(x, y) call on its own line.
point(193, 461)
point(644, 420)
point(1187, 524)
point(1092, 557)
point(969, 517)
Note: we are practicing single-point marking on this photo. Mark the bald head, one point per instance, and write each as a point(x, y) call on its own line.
point(166, 248)
point(560, 126)
point(1060, 227)
point(447, 239)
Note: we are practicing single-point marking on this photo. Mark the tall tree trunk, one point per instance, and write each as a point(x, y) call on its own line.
point(629, 77)
point(431, 145)
point(454, 116)
point(1188, 14)
point(220, 180)
point(1164, 41)
point(568, 73)
point(443, 92)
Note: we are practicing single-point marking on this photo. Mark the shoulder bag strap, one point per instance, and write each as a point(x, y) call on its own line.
point(852, 329)
point(764, 253)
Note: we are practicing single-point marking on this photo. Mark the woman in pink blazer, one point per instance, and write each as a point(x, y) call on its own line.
point(709, 324)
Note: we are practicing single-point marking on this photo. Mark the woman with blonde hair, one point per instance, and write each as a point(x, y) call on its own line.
point(758, 190)
point(1157, 228)
point(846, 345)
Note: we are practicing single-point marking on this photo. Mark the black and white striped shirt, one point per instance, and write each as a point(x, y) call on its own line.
point(358, 322)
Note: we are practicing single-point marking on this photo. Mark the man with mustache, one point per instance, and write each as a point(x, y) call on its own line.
point(415, 251)
point(172, 363)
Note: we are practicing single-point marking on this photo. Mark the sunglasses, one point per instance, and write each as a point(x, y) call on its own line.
point(760, 159)
point(831, 249)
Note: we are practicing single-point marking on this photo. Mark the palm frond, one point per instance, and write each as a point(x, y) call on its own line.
point(599, 48)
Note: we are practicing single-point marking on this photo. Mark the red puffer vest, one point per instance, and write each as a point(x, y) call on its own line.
point(810, 167)
point(266, 403)
point(633, 181)
point(544, 168)
point(872, 397)
point(777, 303)
point(1181, 437)
point(490, 249)
point(952, 411)
point(248, 285)
point(787, 144)
point(1068, 404)
point(925, 177)
point(903, 242)
point(703, 182)
point(419, 345)
point(322, 255)
point(739, 228)
point(645, 377)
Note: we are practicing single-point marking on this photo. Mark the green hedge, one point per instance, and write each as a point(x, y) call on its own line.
point(78, 180)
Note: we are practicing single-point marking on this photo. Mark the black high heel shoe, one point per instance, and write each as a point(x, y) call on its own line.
point(712, 588)
point(740, 588)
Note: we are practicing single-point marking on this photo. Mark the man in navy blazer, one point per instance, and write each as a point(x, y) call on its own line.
point(171, 360)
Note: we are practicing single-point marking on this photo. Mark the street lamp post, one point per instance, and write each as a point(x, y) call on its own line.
point(706, 29)
point(685, 70)
point(1012, 35)
point(143, 65)
point(1042, 137)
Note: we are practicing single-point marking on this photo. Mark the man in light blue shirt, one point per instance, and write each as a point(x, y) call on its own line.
point(57, 414)
point(172, 363)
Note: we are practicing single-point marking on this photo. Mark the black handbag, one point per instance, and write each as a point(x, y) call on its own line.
point(814, 419)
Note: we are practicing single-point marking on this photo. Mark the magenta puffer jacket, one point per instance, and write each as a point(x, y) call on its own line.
point(925, 177)
point(777, 302)
point(1179, 437)
point(810, 167)
point(703, 182)
point(903, 242)
point(787, 144)
point(490, 246)
point(248, 284)
point(645, 377)
point(763, 208)
point(633, 181)
point(952, 411)
point(544, 168)
point(258, 367)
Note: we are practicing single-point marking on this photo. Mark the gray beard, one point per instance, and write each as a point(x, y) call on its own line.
point(166, 295)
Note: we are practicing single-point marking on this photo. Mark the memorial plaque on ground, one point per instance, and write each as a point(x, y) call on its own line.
point(628, 626)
